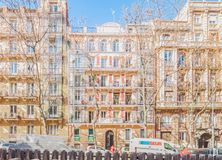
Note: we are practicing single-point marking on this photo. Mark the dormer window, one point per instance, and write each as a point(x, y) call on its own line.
point(165, 37)
point(54, 8)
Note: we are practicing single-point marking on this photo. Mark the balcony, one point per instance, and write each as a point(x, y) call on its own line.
point(18, 116)
point(199, 86)
point(119, 70)
point(183, 86)
point(214, 65)
point(199, 65)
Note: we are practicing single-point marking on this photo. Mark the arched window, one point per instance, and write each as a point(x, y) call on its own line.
point(165, 121)
point(128, 46)
point(116, 46)
point(103, 45)
point(91, 45)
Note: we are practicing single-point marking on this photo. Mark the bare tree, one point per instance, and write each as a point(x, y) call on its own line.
point(34, 29)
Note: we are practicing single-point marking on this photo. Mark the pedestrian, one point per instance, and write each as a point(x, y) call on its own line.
point(112, 149)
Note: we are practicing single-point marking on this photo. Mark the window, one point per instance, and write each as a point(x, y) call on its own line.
point(115, 115)
point(13, 129)
point(212, 19)
point(76, 132)
point(30, 111)
point(30, 129)
point(29, 26)
point(182, 97)
point(198, 37)
point(116, 98)
point(128, 62)
point(103, 63)
point(181, 60)
point(127, 116)
point(77, 62)
point(115, 62)
point(128, 46)
point(116, 46)
point(182, 119)
point(128, 98)
point(53, 129)
point(13, 67)
point(165, 121)
point(168, 80)
point(53, 88)
point(13, 25)
point(77, 116)
point(103, 46)
point(77, 80)
point(54, 8)
point(91, 46)
point(52, 48)
point(30, 68)
point(168, 146)
point(197, 19)
point(182, 136)
point(13, 111)
point(53, 66)
point(53, 111)
point(12, 46)
point(103, 114)
point(90, 132)
point(91, 116)
point(103, 81)
point(30, 48)
point(77, 95)
point(103, 97)
point(167, 56)
point(168, 96)
point(77, 45)
point(142, 133)
point(13, 88)
point(30, 89)
point(54, 26)
point(127, 134)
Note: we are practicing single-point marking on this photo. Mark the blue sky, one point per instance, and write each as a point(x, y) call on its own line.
point(96, 12)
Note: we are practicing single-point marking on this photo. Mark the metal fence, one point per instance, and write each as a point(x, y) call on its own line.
point(72, 155)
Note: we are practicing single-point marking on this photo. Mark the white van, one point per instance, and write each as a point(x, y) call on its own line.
point(150, 145)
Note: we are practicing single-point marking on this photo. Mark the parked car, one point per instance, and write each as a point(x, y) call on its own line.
point(96, 149)
point(6, 145)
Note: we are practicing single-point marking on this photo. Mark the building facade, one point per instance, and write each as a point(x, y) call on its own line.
point(33, 69)
point(105, 98)
point(105, 88)
point(188, 106)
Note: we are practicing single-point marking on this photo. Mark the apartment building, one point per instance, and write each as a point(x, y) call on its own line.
point(33, 69)
point(188, 106)
point(105, 101)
